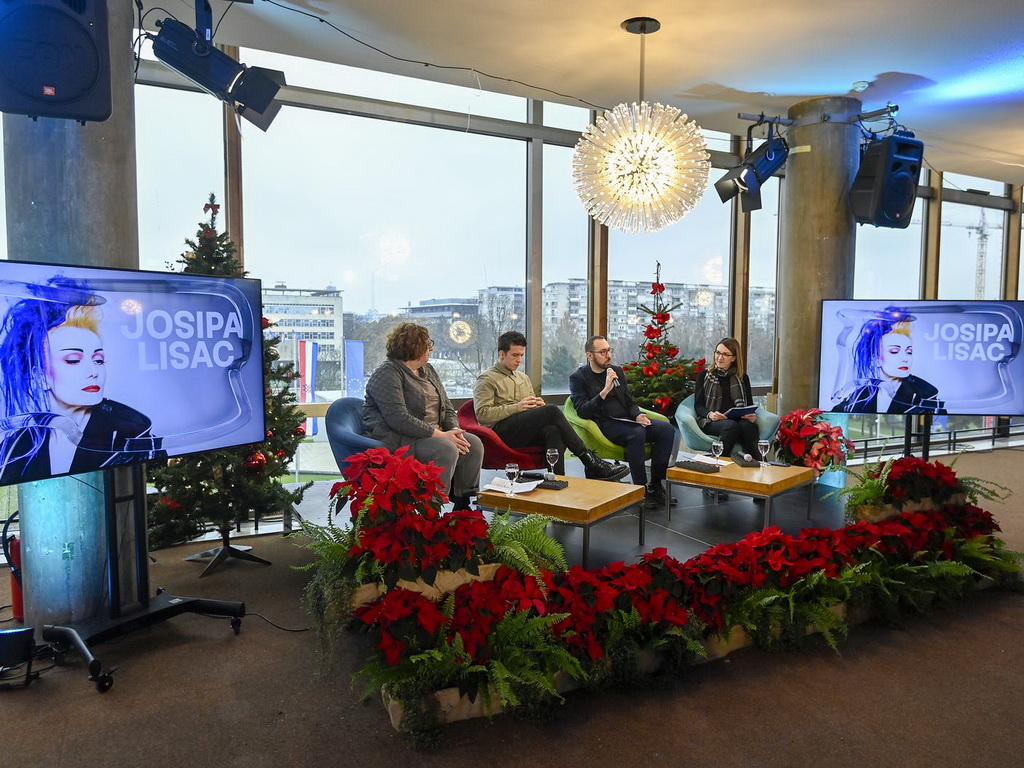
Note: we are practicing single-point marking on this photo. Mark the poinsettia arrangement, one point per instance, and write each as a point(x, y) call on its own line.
point(914, 479)
point(508, 638)
point(810, 441)
point(397, 527)
point(660, 379)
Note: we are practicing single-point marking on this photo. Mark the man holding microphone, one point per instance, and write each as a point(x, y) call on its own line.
point(599, 392)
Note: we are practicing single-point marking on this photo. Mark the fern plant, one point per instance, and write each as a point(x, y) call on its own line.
point(524, 544)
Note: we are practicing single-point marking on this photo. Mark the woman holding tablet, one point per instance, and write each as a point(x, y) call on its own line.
point(723, 386)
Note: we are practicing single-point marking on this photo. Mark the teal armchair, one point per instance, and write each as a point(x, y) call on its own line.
point(594, 438)
point(700, 442)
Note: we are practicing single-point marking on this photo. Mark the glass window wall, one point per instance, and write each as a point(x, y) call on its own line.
point(566, 287)
point(179, 163)
point(409, 223)
point(695, 261)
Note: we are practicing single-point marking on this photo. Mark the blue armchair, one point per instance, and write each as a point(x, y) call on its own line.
point(344, 424)
point(700, 442)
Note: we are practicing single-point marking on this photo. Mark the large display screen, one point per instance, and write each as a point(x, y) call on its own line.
point(940, 357)
point(101, 367)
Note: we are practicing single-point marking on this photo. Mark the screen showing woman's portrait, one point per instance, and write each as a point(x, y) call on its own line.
point(52, 380)
point(883, 358)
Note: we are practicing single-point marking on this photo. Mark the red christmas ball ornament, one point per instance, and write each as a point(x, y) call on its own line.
point(280, 454)
point(649, 355)
point(255, 462)
point(300, 430)
point(270, 433)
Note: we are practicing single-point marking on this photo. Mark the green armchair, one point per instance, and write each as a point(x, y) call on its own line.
point(594, 438)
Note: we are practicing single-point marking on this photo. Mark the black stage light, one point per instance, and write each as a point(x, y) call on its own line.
point(249, 90)
point(755, 169)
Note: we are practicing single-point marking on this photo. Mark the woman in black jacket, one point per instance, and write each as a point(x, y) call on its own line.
point(720, 387)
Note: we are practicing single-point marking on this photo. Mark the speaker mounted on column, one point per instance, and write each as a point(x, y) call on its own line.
point(55, 59)
point(885, 189)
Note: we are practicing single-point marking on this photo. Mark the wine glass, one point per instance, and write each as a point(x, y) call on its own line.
point(763, 446)
point(511, 472)
point(716, 448)
point(551, 455)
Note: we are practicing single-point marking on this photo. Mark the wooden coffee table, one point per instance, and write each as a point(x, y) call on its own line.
point(583, 503)
point(758, 482)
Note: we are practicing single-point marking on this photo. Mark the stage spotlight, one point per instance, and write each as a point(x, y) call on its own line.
point(757, 167)
point(250, 91)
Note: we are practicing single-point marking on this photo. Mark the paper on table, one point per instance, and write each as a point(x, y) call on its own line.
point(502, 484)
point(683, 456)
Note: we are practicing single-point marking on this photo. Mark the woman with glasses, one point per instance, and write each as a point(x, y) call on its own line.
point(406, 405)
point(720, 387)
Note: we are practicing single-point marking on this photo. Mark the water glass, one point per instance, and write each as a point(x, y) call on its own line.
point(716, 448)
point(763, 446)
point(551, 456)
point(512, 473)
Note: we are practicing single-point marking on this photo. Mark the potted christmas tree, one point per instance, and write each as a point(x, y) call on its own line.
point(660, 379)
point(223, 488)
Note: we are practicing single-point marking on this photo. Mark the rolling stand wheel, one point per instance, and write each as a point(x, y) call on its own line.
point(236, 624)
point(104, 682)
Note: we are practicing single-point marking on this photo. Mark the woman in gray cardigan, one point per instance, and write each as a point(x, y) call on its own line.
point(405, 404)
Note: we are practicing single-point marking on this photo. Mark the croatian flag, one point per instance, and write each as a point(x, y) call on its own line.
point(308, 352)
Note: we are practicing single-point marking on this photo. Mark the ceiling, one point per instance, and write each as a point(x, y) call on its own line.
point(956, 69)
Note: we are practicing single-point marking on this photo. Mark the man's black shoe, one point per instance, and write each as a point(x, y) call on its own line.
point(596, 468)
point(711, 493)
point(656, 497)
point(611, 472)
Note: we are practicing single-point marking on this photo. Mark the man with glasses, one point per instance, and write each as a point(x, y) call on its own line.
point(504, 401)
point(599, 392)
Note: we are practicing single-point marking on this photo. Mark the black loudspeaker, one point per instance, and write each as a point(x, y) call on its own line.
point(55, 59)
point(884, 192)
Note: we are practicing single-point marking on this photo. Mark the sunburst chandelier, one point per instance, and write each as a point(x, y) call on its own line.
point(640, 167)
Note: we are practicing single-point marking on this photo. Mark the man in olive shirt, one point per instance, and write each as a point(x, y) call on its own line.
point(504, 401)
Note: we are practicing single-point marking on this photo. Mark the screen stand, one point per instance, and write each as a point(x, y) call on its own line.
point(145, 611)
point(926, 434)
point(224, 552)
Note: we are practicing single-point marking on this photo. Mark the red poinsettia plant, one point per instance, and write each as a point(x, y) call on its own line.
point(914, 479)
point(660, 378)
point(810, 441)
point(395, 504)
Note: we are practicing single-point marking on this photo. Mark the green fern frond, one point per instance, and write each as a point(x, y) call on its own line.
point(524, 544)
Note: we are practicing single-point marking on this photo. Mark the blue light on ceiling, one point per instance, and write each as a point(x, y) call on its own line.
point(997, 79)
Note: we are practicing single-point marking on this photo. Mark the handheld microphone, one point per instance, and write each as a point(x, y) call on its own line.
point(615, 382)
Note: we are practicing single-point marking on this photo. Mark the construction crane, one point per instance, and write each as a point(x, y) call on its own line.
point(982, 258)
point(981, 229)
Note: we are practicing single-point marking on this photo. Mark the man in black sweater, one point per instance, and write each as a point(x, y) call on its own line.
point(599, 392)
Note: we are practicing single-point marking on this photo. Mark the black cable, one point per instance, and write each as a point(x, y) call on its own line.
point(392, 56)
point(259, 615)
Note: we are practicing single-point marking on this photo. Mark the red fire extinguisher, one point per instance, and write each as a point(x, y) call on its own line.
point(12, 551)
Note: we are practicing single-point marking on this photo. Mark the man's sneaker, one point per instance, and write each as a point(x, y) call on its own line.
point(656, 497)
point(595, 468)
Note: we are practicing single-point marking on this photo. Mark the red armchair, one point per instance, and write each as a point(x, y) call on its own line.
point(496, 453)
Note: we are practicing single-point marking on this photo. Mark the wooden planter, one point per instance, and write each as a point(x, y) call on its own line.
point(451, 706)
point(876, 513)
point(445, 583)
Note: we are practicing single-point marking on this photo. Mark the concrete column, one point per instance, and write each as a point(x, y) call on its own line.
point(817, 237)
point(71, 198)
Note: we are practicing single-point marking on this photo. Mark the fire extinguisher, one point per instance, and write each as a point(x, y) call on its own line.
point(12, 553)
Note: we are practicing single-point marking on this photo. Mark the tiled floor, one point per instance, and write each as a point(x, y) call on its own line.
point(697, 522)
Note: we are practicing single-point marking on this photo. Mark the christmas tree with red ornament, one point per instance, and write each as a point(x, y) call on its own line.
point(660, 379)
point(216, 490)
